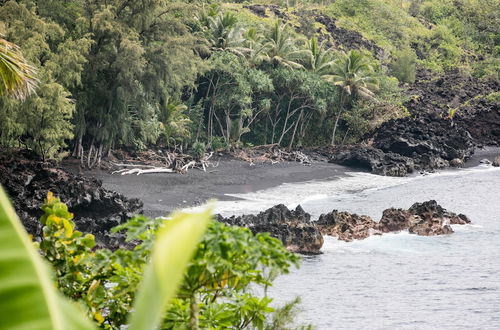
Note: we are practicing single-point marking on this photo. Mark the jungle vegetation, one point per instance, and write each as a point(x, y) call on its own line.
point(209, 74)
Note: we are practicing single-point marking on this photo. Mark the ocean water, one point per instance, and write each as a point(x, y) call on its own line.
point(396, 281)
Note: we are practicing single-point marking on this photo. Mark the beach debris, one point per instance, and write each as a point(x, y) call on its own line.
point(150, 161)
point(270, 153)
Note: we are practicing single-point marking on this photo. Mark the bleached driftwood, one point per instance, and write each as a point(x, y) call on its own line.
point(167, 162)
point(139, 171)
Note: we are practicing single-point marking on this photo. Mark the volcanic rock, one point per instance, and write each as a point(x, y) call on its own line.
point(96, 210)
point(496, 161)
point(425, 219)
point(374, 160)
point(431, 141)
point(292, 227)
point(431, 209)
point(395, 220)
point(346, 226)
point(434, 93)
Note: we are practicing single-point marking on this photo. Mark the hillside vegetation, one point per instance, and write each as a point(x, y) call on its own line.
point(212, 75)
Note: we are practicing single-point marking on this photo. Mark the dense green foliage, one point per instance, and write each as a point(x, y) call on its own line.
point(27, 293)
point(126, 73)
point(215, 290)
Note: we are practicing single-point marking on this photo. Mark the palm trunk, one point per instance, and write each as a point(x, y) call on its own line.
point(335, 127)
point(295, 130)
point(193, 313)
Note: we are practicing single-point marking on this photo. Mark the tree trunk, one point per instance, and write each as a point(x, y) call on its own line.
point(193, 313)
point(345, 136)
point(295, 130)
point(335, 127)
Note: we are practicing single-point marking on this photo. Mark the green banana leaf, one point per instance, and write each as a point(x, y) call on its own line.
point(28, 296)
point(174, 246)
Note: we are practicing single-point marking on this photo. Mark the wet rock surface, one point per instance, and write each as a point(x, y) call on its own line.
point(346, 226)
point(299, 234)
point(27, 180)
point(424, 219)
point(292, 227)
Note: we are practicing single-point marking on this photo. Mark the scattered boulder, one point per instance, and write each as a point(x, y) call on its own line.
point(456, 162)
point(292, 227)
point(27, 180)
point(496, 161)
point(485, 161)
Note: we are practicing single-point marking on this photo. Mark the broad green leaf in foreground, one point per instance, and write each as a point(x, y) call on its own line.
point(28, 297)
point(174, 247)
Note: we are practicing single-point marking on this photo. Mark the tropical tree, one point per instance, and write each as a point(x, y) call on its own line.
point(281, 48)
point(174, 122)
point(17, 76)
point(255, 43)
point(223, 32)
point(353, 73)
point(319, 59)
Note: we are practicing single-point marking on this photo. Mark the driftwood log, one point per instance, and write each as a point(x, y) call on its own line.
point(270, 153)
point(166, 162)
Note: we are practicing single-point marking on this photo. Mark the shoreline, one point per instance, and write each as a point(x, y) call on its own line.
point(163, 193)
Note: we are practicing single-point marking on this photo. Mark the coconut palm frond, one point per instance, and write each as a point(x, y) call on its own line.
point(18, 78)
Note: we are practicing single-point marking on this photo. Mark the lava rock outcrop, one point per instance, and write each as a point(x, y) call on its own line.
point(424, 219)
point(27, 180)
point(292, 227)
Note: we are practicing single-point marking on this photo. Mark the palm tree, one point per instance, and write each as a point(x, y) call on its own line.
point(320, 59)
point(223, 33)
point(255, 42)
point(280, 47)
point(354, 75)
point(17, 77)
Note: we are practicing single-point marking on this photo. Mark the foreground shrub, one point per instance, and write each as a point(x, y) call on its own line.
point(27, 293)
point(215, 289)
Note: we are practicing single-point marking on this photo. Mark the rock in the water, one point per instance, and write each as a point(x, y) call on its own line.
point(395, 220)
point(437, 211)
point(485, 161)
point(496, 161)
point(27, 181)
point(426, 219)
point(346, 226)
point(292, 227)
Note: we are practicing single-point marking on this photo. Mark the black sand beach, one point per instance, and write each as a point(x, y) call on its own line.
point(165, 192)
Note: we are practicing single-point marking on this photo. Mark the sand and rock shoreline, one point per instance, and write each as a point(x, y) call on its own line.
point(101, 200)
